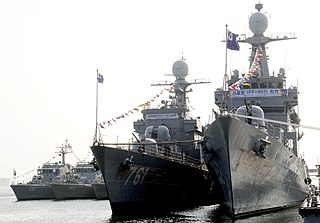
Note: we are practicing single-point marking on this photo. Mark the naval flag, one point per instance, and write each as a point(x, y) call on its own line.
point(100, 78)
point(232, 42)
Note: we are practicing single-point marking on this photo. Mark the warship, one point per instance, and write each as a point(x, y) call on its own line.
point(98, 184)
point(99, 187)
point(162, 168)
point(77, 184)
point(251, 148)
point(39, 187)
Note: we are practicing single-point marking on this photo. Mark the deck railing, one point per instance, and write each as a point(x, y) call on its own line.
point(173, 150)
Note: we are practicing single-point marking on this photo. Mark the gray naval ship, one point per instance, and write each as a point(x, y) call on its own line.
point(40, 185)
point(77, 184)
point(99, 188)
point(98, 184)
point(163, 168)
point(251, 149)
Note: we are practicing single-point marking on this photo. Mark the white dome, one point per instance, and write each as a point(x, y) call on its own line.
point(258, 23)
point(180, 69)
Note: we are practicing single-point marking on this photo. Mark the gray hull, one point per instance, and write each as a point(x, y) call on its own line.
point(100, 190)
point(150, 183)
point(64, 191)
point(32, 192)
point(251, 184)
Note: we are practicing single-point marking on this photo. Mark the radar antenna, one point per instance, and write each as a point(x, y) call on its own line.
point(259, 6)
point(180, 70)
point(64, 149)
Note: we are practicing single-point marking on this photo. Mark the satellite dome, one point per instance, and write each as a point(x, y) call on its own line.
point(180, 69)
point(258, 23)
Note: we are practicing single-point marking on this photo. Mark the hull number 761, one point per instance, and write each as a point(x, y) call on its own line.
point(138, 174)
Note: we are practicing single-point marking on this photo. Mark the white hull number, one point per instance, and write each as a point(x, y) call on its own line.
point(138, 174)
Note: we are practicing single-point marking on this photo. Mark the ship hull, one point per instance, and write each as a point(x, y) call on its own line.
point(100, 190)
point(252, 183)
point(32, 192)
point(64, 191)
point(150, 183)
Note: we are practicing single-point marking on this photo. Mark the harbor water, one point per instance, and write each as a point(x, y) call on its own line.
point(98, 211)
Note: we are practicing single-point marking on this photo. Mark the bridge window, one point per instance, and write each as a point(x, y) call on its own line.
point(271, 85)
point(254, 85)
point(280, 85)
point(263, 85)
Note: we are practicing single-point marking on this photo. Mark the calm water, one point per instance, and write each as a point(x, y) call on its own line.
point(96, 211)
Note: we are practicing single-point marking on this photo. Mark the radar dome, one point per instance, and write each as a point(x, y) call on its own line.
point(258, 23)
point(180, 69)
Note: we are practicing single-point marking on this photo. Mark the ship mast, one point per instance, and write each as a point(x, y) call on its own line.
point(258, 24)
point(180, 71)
point(63, 150)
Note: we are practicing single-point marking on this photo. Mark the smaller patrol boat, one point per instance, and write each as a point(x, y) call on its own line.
point(39, 187)
point(98, 185)
point(310, 208)
point(76, 185)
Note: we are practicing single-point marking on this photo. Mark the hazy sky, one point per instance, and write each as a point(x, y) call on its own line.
point(50, 51)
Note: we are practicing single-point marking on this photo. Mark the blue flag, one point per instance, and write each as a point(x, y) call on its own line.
point(232, 42)
point(100, 78)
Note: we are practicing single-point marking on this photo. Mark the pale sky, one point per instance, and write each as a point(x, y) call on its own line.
point(50, 51)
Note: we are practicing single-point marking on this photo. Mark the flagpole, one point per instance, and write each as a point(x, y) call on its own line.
point(96, 130)
point(226, 61)
point(225, 68)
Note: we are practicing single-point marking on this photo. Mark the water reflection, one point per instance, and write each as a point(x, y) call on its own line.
point(209, 214)
point(201, 214)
